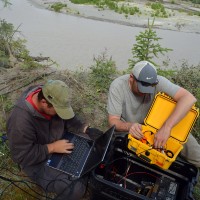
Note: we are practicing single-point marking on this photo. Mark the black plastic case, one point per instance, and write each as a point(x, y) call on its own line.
point(124, 176)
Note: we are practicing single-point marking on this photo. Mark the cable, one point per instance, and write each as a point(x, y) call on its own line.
point(53, 181)
point(5, 189)
point(126, 171)
point(126, 174)
point(120, 177)
point(64, 181)
point(45, 190)
point(13, 182)
point(16, 183)
point(19, 175)
point(139, 173)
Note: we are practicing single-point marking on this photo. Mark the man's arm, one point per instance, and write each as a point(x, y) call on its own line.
point(120, 125)
point(133, 128)
point(185, 100)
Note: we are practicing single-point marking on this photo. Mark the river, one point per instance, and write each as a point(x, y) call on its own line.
point(73, 41)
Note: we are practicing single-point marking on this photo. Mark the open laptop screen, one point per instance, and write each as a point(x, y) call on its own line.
point(88, 157)
point(99, 150)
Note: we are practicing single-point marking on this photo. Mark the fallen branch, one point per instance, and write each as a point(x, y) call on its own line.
point(39, 58)
point(25, 81)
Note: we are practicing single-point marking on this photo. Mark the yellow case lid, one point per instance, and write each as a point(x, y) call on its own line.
point(161, 108)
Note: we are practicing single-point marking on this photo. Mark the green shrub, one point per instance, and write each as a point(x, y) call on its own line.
point(4, 61)
point(112, 5)
point(157, 6)
point(167, 73)
point(196, 1)
point(12, 48)
point(102, 73)
point(188, 77)
point(159, 10)
point(85, 1)
point(58, 6)
point(134, 10)
point(197, 13)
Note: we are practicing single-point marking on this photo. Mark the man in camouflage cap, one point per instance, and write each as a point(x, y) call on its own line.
point(35, 128)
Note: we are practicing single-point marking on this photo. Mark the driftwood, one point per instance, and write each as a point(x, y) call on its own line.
point(39, 58)
point(15, 78)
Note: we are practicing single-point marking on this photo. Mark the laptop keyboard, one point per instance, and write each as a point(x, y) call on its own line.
point(72, 161)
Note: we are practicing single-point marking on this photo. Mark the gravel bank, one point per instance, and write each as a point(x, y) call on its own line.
point(178, 21)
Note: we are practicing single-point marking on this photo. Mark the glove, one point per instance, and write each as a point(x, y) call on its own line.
point(93, 133)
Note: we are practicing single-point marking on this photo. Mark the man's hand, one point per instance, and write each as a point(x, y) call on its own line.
point(60, 146)
point(136, 131)
point(161, 137)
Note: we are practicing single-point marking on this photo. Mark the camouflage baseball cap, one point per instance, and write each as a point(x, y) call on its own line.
point(57, 93)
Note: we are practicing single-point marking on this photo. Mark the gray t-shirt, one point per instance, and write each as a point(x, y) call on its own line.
point(131, 108)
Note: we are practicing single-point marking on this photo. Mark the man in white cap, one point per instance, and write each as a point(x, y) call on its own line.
point(35, 128)
point(130, 98)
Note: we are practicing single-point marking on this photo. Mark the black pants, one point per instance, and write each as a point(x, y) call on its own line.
point(52, 180)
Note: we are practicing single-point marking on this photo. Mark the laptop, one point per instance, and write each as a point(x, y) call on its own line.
point(86, 155)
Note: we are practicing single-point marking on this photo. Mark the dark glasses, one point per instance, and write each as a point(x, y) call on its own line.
point(145, 84)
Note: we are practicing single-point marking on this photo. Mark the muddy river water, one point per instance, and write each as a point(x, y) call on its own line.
point(73, 41)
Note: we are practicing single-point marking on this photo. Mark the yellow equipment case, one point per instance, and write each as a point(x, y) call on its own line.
point(161, 108)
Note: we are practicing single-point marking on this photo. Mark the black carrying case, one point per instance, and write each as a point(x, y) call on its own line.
point(124, 176)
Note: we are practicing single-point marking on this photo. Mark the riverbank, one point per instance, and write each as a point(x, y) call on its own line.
point(178, 20)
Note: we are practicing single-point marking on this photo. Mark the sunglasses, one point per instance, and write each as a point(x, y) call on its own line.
point(145, 84)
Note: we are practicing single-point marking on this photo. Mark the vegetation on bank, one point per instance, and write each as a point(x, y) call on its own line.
point(57, 7)
point(12, 51)
point(89, 87)
point(153, 8)
point(194, 1)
